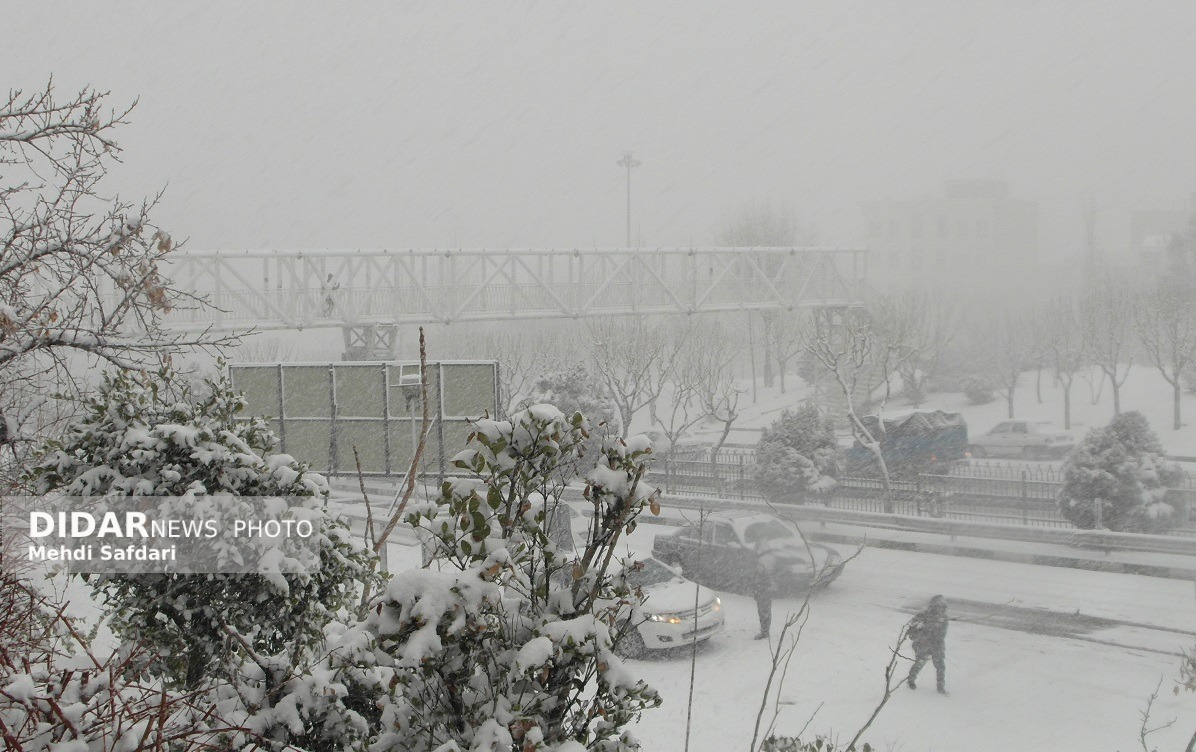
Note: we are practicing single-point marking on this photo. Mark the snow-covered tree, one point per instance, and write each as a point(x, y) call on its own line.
point(797, 455)
point(1106, 325)
point(578, 390)
point(57, 692)
point(862, 360)
point(196, 456)
point(509, 643)
point(1166, 323)
point(81, 272)
point(1121, 468)
point(633, 358)
point(1001, 345)
point(1065, 345)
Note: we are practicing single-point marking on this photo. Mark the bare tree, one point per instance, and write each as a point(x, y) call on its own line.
point(852, 349)
point(1001, 345)
point(262, 349)
point(1065, 343)
point(522, 358)
point(633, 358)
point(1106, 323)
point(923, 324)
point(782, 339)
point(713, 366)
point(80, 279)
point(1166, 323)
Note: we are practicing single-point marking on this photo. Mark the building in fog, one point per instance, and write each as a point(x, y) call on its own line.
point(974, 231)
point(1152, 232)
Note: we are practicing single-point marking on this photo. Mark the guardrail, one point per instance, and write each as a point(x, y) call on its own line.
point(1100, 540)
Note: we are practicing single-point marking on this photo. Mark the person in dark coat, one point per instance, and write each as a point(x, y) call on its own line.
point(928, 634)
point(762, 588)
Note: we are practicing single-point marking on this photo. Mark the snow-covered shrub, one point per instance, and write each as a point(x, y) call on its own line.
point(1121, 467)
point(57, 693)
point(509, 642)
point(150, 437)
point(797, 455)
point(978, 391)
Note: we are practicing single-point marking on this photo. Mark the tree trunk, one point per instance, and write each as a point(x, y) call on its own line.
point(1175, 389)
point(1116, 398)
point(1067, 405)
point(1009, 401)
point(1037, 388)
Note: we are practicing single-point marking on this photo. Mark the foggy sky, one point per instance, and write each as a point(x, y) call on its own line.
point(479, 124)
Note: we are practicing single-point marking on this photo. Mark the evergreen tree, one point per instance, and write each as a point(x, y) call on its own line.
point(146, 439)
point(798, 454)
point(1122, 468)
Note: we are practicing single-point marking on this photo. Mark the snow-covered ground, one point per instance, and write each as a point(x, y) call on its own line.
point(1019, 678)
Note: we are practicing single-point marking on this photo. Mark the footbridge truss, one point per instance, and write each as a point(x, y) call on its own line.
point(274, 290)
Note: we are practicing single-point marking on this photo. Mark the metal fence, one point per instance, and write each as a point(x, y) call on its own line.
point(979, 492)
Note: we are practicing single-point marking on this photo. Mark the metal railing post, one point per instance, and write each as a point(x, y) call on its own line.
point(741, 477)
point(1025, 500)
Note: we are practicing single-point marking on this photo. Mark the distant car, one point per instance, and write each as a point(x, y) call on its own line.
point(671, 619)
point(1032, 440)
point(724, 551)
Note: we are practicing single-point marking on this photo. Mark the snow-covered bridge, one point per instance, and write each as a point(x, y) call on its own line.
point(271, 290)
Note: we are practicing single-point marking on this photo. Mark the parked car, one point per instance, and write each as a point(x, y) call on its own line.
point(1032, 440)
point(723, 553)
point(670, 617)
point(921, 441)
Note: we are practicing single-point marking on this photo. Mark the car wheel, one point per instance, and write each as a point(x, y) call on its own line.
point(977, 452)
point(1032, 453)
point(631, 645)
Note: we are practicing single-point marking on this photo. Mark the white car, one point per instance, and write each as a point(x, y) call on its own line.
point(671, 620)
point(1028, 439)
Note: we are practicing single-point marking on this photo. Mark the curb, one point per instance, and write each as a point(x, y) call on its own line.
point(1045, 560)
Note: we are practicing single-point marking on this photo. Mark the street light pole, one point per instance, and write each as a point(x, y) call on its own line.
point(628, 162)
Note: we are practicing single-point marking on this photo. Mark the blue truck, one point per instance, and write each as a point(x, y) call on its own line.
point(921, 441)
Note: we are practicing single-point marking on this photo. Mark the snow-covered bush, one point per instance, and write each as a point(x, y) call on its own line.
point(978, 391)
point(797, 455)
point(509, 642)
point(56, 693)
point(148, 436)
point(1121, 467)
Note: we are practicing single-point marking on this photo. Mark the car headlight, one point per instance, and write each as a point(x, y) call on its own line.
point(718, 603)
point(664, 618)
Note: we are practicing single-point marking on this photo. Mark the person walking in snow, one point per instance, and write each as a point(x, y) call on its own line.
point(762, 590)
point(928, 634)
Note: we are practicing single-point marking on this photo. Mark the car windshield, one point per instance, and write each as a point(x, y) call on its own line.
point(764, 531)
point(652, 573)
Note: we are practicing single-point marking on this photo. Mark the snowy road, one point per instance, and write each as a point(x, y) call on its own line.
point(1039, 658)
point(1025, 672)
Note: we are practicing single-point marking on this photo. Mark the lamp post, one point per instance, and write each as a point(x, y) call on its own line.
point(628, 162)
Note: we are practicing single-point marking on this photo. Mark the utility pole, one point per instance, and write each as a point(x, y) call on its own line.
point(628, 162)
